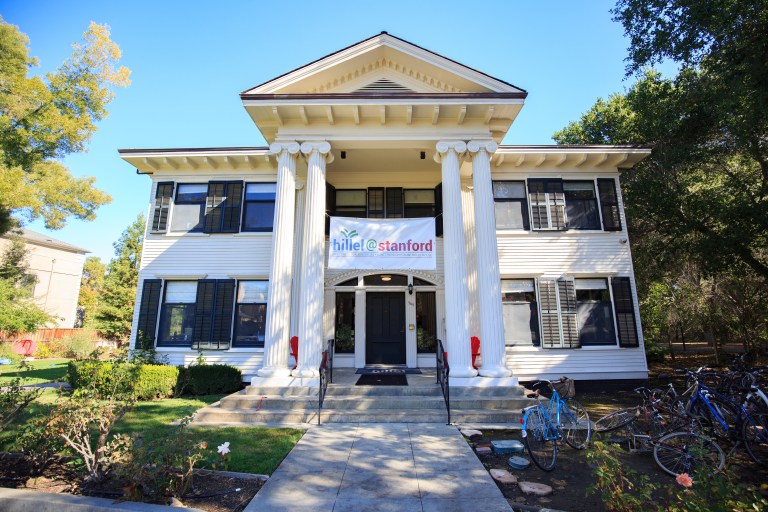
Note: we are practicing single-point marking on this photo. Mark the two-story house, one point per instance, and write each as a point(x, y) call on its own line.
point(526, 246)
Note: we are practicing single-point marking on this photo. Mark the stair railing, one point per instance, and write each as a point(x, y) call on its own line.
point(443, 371)
point(331, 346)
point(323, 383)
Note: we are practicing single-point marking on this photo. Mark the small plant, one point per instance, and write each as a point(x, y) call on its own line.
point(79, 345)
point(14, 398)
point(200, 361)
point(223, 451)
point(6, 352)
point(147, 356)
point(620, 487)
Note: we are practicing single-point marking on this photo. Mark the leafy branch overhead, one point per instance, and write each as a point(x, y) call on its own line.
point(44, 119)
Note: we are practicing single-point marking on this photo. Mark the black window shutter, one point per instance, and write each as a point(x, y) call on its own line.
point(439, 210)
point(221, 331)
point(609, 204)
point(213, 207)
point(330, 206)
point(206, 294)
point(567, 293)
point(231, 207)
point(625, 312)
point(550, 325)
point(163, 196)
point(150, 302)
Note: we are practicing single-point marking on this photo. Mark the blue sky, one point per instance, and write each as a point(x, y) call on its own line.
point(190, 60)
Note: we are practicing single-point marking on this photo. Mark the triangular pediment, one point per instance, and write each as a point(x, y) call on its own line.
point(384, 63)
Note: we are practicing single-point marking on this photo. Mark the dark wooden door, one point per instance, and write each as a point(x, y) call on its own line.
point(385, 328)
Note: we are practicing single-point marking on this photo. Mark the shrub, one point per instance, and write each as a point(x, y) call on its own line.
point(107, 378)
point(6, 352)
point(155, 381)
point(79, 345)
point(210, 379)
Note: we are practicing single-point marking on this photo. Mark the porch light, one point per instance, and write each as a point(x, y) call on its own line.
point(386, 278)
point(410, 288)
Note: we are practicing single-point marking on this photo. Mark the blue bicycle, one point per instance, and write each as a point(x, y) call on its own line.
point(560, 419)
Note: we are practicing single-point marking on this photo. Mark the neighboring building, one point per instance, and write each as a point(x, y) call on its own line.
point(57, 267)
point(532, 254)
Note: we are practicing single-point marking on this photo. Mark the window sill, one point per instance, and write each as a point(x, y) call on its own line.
point(238, 350)
point(178, 234)
point(253, 234)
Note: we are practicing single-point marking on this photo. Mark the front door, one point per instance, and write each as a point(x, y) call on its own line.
point(385, 328)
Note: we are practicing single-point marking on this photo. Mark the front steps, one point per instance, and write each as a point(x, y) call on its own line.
point(347, 403)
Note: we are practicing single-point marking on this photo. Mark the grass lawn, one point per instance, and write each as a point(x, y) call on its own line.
point(39, 371)
point(253, 449)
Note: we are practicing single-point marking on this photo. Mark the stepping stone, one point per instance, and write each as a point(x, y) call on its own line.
point(516, 462)
point(483, 450)
point(507, 446)
point(535, 488)
point(503, 476)
point(470, 433)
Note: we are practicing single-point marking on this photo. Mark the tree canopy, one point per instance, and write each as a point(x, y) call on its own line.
point(43, 119)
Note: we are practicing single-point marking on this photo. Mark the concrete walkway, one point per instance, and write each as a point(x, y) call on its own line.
point(372, 467)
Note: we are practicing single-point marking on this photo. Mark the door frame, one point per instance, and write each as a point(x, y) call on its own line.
point(357, 360)
point(402, 303)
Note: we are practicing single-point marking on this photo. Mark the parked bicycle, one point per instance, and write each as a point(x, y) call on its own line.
point(544, 425)
point(663, 429)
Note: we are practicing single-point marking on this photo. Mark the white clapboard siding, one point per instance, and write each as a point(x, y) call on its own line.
point(529, 363)
point(247, 362)
point(216, 255)
point(536, 253)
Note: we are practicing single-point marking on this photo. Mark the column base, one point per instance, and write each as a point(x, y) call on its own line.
point(305, 372)
point(495, 372)
point(463, 373)
point(274, 371)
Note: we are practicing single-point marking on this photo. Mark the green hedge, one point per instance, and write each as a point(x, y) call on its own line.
point(144, 382)
point(210, 379)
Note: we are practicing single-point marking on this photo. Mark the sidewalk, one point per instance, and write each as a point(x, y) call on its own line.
point(372, 467)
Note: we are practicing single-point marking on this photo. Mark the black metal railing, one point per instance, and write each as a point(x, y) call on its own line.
point(323, 383)
point(330, 349)
point(443, 371)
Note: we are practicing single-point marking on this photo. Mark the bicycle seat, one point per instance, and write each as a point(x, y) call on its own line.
point(540, 385)
point(532, 395)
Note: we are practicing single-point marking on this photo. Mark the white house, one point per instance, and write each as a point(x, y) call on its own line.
point(57, 268)
point(529, 250)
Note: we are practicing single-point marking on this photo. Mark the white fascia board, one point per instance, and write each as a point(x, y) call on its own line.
point(429, 100)
point(153, 153)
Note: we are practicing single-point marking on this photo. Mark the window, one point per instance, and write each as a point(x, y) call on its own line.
point(259, 207)
point(581, 205)
point(547, 204)
point(222, 206)
point(426, 322)
point(178, 314)
point(510, 205)
point(351, 203)
point(251, 313)
point(376, 203)
point(189, 207)
point(345, 323)
point(520, 312)
point(609, 204)
point(418, 203)
point(559, 328)
point(595, 313)
point(394, 203)
point(385, 280)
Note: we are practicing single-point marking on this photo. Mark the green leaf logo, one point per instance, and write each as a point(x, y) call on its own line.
point(348, 233)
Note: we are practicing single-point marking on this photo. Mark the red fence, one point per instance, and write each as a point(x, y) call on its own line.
point(48, 335)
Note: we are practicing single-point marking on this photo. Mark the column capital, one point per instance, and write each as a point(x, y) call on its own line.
point(488, 146)
point(444, 146)
point(300, 183)
point(321, 147)
point(278, 147)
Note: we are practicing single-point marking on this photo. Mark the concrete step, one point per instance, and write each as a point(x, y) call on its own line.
point(360, 391)
point(364, 403)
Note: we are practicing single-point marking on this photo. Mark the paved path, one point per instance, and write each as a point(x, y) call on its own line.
point(372, 467)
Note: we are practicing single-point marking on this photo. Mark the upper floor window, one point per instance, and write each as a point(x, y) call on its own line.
point(351, 203)
point(581, 204)
point(510, 204)
point(259, 206)
point(547, 203)
point(419, 203)
point(189, 207)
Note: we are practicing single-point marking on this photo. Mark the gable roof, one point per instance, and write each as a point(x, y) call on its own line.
point(33, 237)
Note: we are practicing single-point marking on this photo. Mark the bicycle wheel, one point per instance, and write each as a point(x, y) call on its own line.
point(719, 421)
point(686, 452)
point(615, 420)
point(540, 439)
point(754, 433)
point(576, 425)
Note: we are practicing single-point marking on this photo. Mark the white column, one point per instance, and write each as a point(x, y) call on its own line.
point(313, 259)
point(277, 334)
point(489, 284)
point(456, 292)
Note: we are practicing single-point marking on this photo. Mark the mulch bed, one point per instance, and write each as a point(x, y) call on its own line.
point(210, 491)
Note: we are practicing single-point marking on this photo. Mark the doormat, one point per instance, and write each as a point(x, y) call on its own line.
point(383, 379)
point(380, 371)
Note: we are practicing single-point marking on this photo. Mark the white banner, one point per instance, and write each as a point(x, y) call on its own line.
point(382, 244)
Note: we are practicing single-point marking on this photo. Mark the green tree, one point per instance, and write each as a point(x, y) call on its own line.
point(115, 313)
point(43, 119)
point(18, 312)
point(91, 285)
